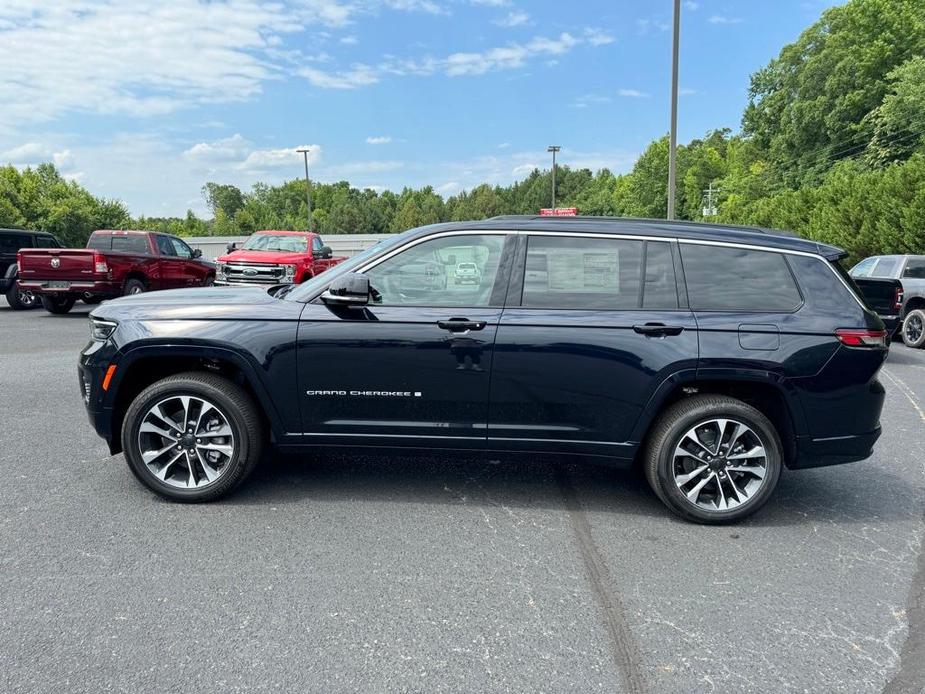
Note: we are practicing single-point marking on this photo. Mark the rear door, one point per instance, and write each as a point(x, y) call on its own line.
point(592, 327)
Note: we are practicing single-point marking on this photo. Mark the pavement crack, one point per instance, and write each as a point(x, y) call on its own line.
point(623, 648)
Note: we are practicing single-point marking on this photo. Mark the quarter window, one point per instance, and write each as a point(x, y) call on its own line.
point(585, 273)
point(737, 279)
point(428, 274)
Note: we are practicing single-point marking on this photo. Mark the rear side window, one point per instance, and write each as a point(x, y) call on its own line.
point(131, 243)
point(915, 269)
point(737, 279)
point(586, 273)
point(10, 243)
point(886, 267)
point(46, 242)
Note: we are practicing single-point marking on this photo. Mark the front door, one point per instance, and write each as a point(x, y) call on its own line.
point(592, 328)
point(412, 368)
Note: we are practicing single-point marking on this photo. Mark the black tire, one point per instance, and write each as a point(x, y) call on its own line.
point(20, 300)
point(208, 281)
point(234, 404)
point(54, 303)
point(133, 286)
point(667, 434)
point(913, 329)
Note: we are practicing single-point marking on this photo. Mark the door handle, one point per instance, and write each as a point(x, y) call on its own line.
point(460, 325)
point(658, 329)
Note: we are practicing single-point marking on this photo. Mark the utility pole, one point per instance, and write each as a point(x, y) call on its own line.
point(553, 149)
point(673, 130)
point(709, 206)
point(308, 186)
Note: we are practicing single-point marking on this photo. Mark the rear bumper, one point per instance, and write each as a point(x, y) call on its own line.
point(104, 288)
point(834, 450)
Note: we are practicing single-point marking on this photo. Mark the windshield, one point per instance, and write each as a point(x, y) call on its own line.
point(276, 242)
point(304, 291)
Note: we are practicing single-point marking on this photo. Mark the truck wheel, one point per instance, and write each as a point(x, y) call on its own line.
point(192, 437)
point(914, 328)
point(133, 286)
point(208, 281)
point(21, 299)
point(713, 459)
point(58, 304)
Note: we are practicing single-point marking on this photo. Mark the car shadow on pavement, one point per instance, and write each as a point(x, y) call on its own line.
point(841, 495)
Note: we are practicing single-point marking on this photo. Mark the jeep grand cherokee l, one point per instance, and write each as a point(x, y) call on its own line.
point(714, 356)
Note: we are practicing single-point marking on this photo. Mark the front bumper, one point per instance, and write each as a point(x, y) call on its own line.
point(94, 361)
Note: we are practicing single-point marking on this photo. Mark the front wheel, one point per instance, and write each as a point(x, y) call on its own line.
point(21, 299)
point(54, 303)
point(713, 459)
point(914, 328)
point(192, 437)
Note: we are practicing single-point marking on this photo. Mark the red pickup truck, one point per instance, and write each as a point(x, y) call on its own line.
point(276, 257)
point(114, 263)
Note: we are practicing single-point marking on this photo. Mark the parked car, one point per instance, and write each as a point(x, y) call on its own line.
point(715, 356)
point(276, 257)
point(910, 271)
point(114, 263)
point(11, 241)
point(467, 273)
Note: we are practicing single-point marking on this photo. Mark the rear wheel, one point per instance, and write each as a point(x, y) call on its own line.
point(133, 286)
point(21, 299)
point(192, 437)
point(713, 459)
point(54, 303)
point(914, 328)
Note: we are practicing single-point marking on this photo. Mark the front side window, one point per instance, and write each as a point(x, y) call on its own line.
point(425, 274)
point(181, 249)
point(737, 279)
point(317, 245)
point(915, 269)
point(582, 273)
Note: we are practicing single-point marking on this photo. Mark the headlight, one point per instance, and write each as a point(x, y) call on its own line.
point(100, 330)
point(288, 271)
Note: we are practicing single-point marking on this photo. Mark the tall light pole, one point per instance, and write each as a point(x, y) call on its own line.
point(308, 186)
point(553, 149)
point(673, 129)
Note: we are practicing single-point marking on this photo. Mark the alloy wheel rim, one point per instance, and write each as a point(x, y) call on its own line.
point(720, 464)
point(186, 441)
point(913, 328)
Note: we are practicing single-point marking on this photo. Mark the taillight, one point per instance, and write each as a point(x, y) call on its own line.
point(853, 337)
point(99, 263)
point(898, 298)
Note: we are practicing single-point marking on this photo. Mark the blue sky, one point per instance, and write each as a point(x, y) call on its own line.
point(145, 101)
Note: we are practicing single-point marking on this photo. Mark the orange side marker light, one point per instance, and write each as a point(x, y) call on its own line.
point(108, 377)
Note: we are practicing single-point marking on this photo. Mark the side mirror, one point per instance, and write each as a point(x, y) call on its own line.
point(232, 247)
point(325, 252)
point(351, 289)
point(197, 252)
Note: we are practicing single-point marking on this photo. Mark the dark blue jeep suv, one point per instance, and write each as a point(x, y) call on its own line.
point(712, 355)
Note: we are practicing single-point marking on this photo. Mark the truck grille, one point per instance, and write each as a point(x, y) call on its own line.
point(251, 273)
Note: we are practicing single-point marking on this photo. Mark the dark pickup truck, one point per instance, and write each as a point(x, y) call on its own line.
point(885, 297)
point(114, 263)
point(11, 242)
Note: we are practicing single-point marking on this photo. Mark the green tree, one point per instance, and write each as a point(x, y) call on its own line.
point(226, 198)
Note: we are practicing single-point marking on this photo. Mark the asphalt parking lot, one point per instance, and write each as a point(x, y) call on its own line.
point(426, 575)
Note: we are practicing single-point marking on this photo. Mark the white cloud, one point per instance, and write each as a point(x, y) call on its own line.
point(448, 188)
point(504, 145)
point(358, 76)
point(416, 6)
point(35, 153)
point(227, 149)
point(644, 26)
point(633, 93)
point(691, 5)
point(721, 19)
point(687, 91)
point(598, 37)
point(378, 139)
point(507, 57)
point(285, 157)
point(491, 3)
point(586, 100)
point(350, 40)
point(514, 18)
point(361, 168)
